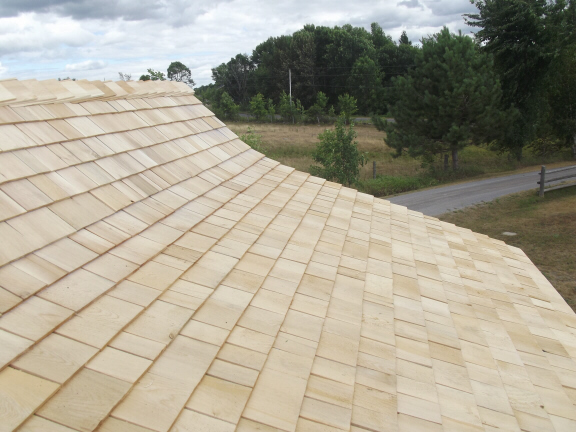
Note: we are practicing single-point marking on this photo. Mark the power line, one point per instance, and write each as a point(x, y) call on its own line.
point(275, 79)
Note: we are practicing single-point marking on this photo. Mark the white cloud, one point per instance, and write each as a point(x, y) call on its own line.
point(41, 33)
point(3, 70)
point(411, 4)
point(86, 65)
point(44, 39)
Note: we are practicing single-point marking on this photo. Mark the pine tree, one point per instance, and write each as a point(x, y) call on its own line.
point(448, 101)
point(519, 34)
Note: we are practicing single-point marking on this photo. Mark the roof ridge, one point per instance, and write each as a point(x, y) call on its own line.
point(15, 92)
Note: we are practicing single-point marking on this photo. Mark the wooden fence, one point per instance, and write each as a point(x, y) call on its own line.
point(545, 179)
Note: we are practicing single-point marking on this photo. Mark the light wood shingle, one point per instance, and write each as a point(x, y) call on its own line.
point(158, 274)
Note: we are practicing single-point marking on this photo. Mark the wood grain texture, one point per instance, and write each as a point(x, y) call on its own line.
point(20, 395)
point(158, 274)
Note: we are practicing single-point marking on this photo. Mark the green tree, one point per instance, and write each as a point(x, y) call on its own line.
point(365, 85)
point(562, 98)
point(303, 65)
point(234, 77)
point(347, 107)
point(154, 76)
point(180, 72)
point(271, 108)
point(258, 107)
point(561, 83)
point(286, 109)
point(208, 94)
point(448, 101)
point(318, 110)
point(226, 108)
point(519, 34)
point(272, 61)
point(338, 155)
point(348, 44)
point(404, 39)
point(300, 112)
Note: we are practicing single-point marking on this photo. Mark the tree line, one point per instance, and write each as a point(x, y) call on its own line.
point(512, 86)
point(322, 63)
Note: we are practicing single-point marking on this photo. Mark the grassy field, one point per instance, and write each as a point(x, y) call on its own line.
point(293, 146)
point(546, 231)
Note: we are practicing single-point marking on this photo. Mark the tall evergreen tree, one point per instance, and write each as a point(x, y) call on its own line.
point(562, 78)
point(449, 100)
point(519, 34)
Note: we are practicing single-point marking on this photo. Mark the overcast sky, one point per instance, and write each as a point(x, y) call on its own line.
point(95, 39)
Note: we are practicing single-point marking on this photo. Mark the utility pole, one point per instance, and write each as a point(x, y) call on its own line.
point(290, 84)
point(290, 87)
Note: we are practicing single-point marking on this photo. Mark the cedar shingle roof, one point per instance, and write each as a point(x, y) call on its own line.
point(158, 274)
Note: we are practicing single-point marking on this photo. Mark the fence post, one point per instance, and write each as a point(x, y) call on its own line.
point(542, 180)
point(373, 169)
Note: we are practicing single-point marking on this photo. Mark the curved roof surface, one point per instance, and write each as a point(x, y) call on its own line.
point(157, 274)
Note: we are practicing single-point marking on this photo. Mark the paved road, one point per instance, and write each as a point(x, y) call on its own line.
point(434, 202)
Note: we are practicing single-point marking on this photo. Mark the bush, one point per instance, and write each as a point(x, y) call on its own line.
point(258, 107)
point(285, 108)
point(253, 139)
point(225, 108)
point(338, 155)
point(347, 106)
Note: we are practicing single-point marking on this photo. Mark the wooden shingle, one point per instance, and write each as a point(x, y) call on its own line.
point(158, 274)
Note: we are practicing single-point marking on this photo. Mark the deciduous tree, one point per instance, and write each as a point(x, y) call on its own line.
point(178, 71)
point(234, 77)
point(258, 107)
point(347, 107)
point(365, 85)
point(338, 155)
point(286, 109)
point(318, 110)
point(226, 109)
point(153, 75)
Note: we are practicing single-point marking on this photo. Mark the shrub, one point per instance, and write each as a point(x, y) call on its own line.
point(253, 139)
point(338, 154)
point(258, 107)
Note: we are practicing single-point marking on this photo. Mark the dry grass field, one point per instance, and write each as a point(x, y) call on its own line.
point(293, 145)
point(545, 228)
